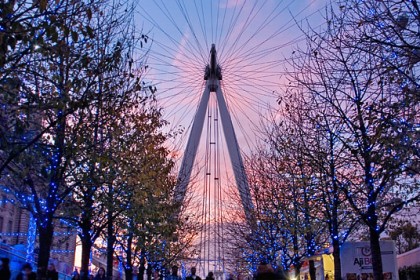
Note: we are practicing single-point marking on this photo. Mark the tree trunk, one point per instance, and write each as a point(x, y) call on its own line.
point(334, 232)
point(45, 225)
point(309, 237)
point(129, 260)
point(85, 225)
point(335, 237)
point(312, 270)
point(110, 246)
point(86, 250)
point(142, 266)
point(45, 242)
point(297, 269)
point(149, 272)
point(129, 274)
point(337, 260)
point(376, 254)
point(141, 271)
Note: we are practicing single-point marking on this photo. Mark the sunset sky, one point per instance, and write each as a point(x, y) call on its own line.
point(253, 39)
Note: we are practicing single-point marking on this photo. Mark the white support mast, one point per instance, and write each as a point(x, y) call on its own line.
point(213, 76)
point(184, 174)
point(235, 155)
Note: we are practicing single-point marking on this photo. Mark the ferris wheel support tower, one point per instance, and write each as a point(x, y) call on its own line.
point(213, 76)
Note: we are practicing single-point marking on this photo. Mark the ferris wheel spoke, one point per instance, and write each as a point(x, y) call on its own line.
point(187, 18)
point(243, 28)
point(202, 19)
point(264, 24)
point(194, 47)
point(257, 51)
point(232, 23)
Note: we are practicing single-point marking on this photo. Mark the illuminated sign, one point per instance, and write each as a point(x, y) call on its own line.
point(356, 260)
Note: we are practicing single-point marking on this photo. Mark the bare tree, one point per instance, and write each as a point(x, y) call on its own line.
point(348, 80)
point(313, 127)
point(283, 185)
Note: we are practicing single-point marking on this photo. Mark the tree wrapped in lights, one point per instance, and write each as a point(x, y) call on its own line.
point(287, 228)
point(394, 26)
point(59, 56)
point(353, 79)
point(46, 58)
point(111, 128)
point(320, 152)
point(25, 28)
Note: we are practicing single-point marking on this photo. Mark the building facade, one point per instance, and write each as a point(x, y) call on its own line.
point(19, 239)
